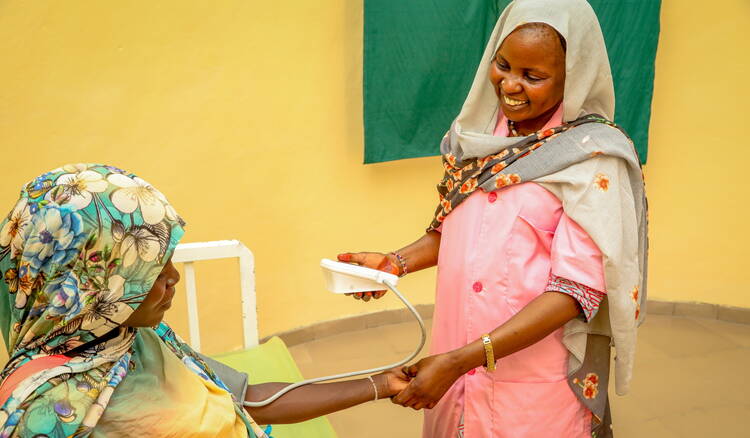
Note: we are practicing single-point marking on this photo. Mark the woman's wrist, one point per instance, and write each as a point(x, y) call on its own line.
point(383, 387)
point(398, 262)
point(467, 358)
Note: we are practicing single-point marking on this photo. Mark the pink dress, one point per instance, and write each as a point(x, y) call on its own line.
point(498, 252)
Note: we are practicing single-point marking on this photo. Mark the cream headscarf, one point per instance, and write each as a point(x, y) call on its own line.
point(588, 80)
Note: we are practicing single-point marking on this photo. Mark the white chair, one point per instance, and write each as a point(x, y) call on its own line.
point(188, 253)
point(270, 362)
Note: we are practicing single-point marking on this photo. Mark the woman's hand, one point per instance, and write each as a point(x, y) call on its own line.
point(418, 255)
point(431, 379)
point(391, 382)
point(434, 375)
point(375, 260)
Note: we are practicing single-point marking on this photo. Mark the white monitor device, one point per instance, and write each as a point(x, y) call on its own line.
point(344, 278)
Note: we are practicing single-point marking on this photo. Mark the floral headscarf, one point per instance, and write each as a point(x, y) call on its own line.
point(78, 253)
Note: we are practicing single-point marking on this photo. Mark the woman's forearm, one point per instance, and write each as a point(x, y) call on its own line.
point(310, 401)
point(423, 253)
point(542, 316)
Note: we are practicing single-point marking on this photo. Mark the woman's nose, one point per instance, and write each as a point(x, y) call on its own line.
point(174, 278)
point(510, 85)
point(171, 282)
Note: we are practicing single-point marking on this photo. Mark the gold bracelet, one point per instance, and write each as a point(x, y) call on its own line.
point(489, 352)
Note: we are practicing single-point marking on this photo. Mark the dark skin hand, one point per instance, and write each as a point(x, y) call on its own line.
point(312, 401)
point(421, 254)
point(434, 375)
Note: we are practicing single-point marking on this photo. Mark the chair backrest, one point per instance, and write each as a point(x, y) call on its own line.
point(189, 253)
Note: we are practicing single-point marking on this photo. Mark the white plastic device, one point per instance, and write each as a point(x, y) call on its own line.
point(342, 278)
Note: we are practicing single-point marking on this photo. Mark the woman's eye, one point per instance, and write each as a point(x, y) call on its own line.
point(533, 78)
point(500, 65)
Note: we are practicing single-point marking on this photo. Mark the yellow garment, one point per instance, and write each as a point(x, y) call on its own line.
point(181, 404)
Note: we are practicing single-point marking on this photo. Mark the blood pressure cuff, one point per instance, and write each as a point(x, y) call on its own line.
point(235, 380)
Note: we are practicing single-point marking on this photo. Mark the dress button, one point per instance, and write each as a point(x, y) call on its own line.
point(478, 286)
point(472, 372)
point(492, 197)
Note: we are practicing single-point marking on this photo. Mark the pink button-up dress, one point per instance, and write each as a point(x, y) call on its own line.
point(497, 253)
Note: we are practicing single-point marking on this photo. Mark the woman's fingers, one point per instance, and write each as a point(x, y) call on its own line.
point(415, 402)
point(418, 401)
point(412, 370)
point(404, 396)
point(400, 399)
point(414, 396)
point(352, 257)
point(405, 370)
point(371, 260)
point(366, 296)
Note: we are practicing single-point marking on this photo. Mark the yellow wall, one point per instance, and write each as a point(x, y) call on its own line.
point(696, 176)
point(248, 115)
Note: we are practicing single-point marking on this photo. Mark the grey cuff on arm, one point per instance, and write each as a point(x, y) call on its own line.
point(235, 380)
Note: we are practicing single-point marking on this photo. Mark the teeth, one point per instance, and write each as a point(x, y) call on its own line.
point(513, 102)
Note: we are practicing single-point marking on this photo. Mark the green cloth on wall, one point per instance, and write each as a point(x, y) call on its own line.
point(420, 57)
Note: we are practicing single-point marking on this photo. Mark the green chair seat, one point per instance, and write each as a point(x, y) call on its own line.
point(271, 362)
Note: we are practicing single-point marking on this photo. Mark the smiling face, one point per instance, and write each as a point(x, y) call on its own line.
point(528, 75)
point(159, 299)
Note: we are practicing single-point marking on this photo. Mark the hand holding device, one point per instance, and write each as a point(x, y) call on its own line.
point(373, 260)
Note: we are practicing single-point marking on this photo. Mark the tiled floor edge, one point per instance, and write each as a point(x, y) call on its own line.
point(739, 315)
point(368, 320)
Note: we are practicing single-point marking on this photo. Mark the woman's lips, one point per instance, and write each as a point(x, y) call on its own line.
point(512, 103)
point(168, 296)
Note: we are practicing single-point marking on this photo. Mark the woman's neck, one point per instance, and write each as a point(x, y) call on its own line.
point(530, 126)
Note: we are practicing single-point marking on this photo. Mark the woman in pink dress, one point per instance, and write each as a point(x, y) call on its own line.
point(539, 239)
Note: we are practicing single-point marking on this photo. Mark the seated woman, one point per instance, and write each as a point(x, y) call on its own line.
point(85, 260)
